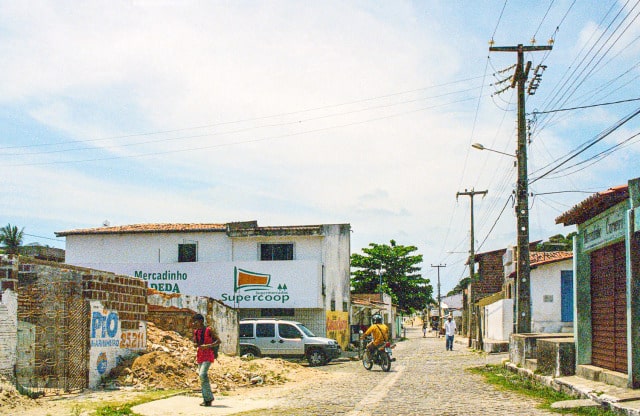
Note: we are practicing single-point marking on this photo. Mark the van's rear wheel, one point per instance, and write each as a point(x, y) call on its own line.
point(317, 357)
point(249, 352)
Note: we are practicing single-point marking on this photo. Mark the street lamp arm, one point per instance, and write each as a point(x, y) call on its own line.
point(481, 147)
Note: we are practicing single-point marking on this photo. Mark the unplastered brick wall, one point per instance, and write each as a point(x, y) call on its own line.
point(8, 331)
point(491, 274)
point(124, 294)
point(174, 312)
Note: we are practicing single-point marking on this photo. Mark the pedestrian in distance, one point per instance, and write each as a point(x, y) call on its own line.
point(424, 329)
point(449, 331)
point(208, 342)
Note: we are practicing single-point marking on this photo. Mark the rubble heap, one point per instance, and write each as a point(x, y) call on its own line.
point(10, 398)
point(170, 363)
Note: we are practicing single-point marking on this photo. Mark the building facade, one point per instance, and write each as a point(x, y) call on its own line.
point(291, 272)
point(607, 283)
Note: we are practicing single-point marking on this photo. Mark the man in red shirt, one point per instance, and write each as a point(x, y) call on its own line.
point(206, 339)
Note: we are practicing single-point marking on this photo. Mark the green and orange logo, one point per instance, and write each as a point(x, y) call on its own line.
point(247, 280)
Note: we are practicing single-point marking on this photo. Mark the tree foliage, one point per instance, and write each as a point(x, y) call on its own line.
point(557, 242)
point(462, 284)
point(11, 237)
point(398, 269)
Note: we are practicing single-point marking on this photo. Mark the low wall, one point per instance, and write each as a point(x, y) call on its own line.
point(556, 356)
point(524, 346)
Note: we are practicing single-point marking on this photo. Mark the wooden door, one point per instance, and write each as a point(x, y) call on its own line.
point(609, 308)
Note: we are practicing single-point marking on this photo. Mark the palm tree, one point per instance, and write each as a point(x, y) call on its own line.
point(11, 237)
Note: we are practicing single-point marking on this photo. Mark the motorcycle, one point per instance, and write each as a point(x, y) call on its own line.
point(382, 355)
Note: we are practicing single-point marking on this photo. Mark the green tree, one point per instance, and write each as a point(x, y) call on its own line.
point(460, 287)
point(12, 238)
point(557, 242)
point(397, 267)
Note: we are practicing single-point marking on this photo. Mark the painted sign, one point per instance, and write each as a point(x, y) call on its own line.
point(338, 327)
point(257, 284)
point(605, 229)
point(108, 342)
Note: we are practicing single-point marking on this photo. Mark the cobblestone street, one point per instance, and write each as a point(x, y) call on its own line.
point(425, 380)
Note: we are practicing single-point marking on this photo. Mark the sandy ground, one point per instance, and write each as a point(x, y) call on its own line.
point(167, 364)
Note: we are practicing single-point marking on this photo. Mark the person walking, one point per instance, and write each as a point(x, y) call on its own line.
point(424, 328)
point(449, 331)
point(206, 338)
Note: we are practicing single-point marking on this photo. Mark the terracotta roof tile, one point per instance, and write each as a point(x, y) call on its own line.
point(543, 257)
point(146, 228)
point(594, 205)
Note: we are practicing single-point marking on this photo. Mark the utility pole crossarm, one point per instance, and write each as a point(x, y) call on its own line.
point(532, 48)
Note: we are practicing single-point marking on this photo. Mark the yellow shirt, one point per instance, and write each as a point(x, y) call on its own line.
point(380, 333)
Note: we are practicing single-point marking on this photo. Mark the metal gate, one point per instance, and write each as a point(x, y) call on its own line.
point(609, 308)
point(53, 328)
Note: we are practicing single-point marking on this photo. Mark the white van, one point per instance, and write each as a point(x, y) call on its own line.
point(281, 338)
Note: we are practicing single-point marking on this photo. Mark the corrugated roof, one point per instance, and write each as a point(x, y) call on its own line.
point(594, 205)
point(146, 228)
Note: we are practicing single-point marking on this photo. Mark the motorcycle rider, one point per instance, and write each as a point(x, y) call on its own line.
point(380, 333)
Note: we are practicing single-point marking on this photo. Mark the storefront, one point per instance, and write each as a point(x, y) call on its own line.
point(607, 282)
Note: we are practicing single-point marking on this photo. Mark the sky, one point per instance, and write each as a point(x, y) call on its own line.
point(301, 112)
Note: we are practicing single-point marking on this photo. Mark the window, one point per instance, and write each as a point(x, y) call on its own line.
point(187, 252)
point(276, 252)
point(265, 330)
point(276, 312)
point(246, 330)
point(289, 331)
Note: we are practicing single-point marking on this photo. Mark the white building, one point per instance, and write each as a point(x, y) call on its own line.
point(293, 272)
point(551, 297)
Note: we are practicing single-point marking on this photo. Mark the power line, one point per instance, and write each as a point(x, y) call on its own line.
point(585, 106)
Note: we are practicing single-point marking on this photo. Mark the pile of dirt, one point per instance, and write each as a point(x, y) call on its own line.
point(11, 400)
point(170, 363)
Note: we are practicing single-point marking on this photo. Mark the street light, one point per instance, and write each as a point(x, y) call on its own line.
point(523, 284)
point(381, 271)
point(481, 147)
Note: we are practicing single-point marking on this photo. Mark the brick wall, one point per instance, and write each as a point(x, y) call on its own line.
point(125, 294)
point(491, 274)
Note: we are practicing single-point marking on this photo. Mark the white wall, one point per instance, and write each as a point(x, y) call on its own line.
point(545, 281)
point(330, 251)
point(499, 320)
point(144, 247)
point(336, 252)
point(8, 331)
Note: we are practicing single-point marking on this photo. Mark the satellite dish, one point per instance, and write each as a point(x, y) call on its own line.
point(106, 223)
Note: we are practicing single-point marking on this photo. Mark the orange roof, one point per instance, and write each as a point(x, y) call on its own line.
point(594, 205)
point(543, 257)
point(145, 228)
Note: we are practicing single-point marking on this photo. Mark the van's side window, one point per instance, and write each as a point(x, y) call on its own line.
point(289, 331)
point(265, 330)
point(246, 330)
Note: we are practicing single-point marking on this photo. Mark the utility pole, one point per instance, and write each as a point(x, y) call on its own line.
point(523, 283)
point(439, 308)
point(472, 271)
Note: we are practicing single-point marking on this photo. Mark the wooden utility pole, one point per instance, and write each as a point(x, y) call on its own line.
point(523, 283)
point(439, 308)
point(472, 311)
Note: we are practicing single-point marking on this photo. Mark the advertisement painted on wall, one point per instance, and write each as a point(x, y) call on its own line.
point(108, 342)
point(259, 284)
point(338, 327)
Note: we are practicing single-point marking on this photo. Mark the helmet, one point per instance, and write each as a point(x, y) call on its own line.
point(377, 319)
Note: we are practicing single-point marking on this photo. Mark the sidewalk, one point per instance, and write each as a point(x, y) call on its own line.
point(626, 401)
